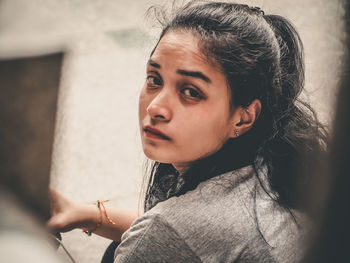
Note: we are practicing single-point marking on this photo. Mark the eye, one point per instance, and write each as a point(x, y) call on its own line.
point(191, 93)
point(153, 81)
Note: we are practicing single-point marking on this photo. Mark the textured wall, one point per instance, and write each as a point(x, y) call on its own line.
point(97, 149)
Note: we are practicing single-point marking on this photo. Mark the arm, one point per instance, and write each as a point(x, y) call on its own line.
point(67, 215)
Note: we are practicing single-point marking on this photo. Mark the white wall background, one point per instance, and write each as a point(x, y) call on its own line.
point(107, 42)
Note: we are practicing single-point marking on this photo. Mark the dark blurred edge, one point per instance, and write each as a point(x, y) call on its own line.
point(108, 256)
point(28, 102)
point(331, 242)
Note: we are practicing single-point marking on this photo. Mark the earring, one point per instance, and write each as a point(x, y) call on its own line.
point(236, 133)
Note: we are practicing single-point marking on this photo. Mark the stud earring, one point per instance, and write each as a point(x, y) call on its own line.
point(236, 133)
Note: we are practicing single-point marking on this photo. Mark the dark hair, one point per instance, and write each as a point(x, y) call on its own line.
point(261, 57)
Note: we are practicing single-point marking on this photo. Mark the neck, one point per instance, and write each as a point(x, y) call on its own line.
point(181, 167)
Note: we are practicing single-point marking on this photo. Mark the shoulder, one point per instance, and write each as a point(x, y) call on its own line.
point(224, 200)
point(233, 212)
point(225, 219)
point(216, 218)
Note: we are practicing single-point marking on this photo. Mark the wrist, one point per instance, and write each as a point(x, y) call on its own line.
point(89, 216)
point(102, 212)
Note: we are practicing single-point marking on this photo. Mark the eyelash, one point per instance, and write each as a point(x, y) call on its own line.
point(151, 84)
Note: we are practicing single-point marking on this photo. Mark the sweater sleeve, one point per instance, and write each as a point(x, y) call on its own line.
point(152, 239)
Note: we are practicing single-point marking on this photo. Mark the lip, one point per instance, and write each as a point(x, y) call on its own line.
point(153, 133)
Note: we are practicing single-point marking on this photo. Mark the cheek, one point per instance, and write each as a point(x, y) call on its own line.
point(215, 118)
point(143, 104)
point(212, 131)
point(206, 131)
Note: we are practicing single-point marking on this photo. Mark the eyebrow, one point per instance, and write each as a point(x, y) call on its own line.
point(194, 74)
point(153, 64)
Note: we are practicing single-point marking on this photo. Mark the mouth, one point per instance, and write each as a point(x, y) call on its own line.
point(154, 133)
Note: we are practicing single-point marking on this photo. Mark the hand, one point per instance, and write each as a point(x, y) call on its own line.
point(66, 215)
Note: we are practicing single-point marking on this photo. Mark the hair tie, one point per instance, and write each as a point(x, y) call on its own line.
point(257, 9)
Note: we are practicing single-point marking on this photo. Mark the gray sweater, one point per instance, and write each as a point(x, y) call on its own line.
point(228, 218)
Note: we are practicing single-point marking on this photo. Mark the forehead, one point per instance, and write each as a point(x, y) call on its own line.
point(179, 41)
point(183, 46)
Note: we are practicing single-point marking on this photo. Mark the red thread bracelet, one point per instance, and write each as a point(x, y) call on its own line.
point(100, 205)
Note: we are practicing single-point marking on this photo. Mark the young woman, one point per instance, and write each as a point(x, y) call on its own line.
point(219, 114)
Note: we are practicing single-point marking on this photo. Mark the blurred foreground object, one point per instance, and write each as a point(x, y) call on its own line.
point(28, 100)
point(332, 240)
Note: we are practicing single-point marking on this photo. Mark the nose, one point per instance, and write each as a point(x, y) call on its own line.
point(159, 108)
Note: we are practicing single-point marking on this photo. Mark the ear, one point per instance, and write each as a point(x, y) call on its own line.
point(244, 118)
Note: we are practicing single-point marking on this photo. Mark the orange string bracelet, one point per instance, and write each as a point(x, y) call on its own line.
point(100, 205)
point(105, 212)
point(99, 222)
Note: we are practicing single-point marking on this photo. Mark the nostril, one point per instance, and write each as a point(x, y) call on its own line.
point(159, 112)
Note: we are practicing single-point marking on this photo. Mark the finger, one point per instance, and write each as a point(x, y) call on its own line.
point(54, 193)
point(57, 200)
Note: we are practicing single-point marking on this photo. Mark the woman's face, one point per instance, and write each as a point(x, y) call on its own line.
point(184, 107)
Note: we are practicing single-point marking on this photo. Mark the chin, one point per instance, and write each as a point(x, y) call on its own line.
point(158, 157)
point(152, 155)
